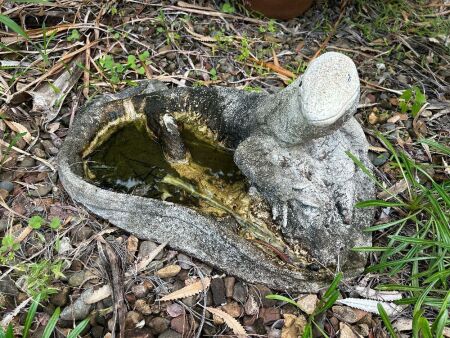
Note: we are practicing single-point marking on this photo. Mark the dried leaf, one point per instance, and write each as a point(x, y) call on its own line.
point(396, 189)
point(370, 305)
point(189, 290)
point(18, 128)
point(98, 295)
point(49, 97)
point(230, 321)
point(386, 296)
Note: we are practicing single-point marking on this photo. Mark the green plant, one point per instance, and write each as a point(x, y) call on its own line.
point(419, 238)
point(49, 328)
point(74, 35)
point(227, 8)
point(245, 49)
point(412, 100)
point(328, 299)
point(269, 28)
point(213, 74)
point(38, 276)
point(5, 153)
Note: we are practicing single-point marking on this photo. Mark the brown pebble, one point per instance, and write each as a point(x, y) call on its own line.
point(269, 315)
point(229, 286)
point(168, 271)
point(233, 309)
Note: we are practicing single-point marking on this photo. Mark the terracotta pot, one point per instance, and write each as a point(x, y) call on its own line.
point(279, 9)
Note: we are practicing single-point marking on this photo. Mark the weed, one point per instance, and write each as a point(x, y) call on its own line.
point(4, 154)
point(254, 89)
point(49, 328)
point(245, 49)
point(37, 276)
point(269, 28)
point(227, 8)
point(213, 74)
point(74, 35)
point(419, 239)
point(328, 299)
point(412, 101)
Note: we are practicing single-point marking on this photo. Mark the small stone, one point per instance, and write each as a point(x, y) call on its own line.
point(184, 261)
point(402, 79)
point(6, 185)
point(346, 314)
point(218, 320)
point(233, 309)
point(362, 329)
point(168, 271)
point(274, 333)
point(142, 306)
point(259, 327)
point(132, 245)
point(139, 333)
point(97, 331)
point(269, 315)
point(39, 153)
point(260, 292)
point(3, 194)
point(132, 319)
point(378, 159)
point(240, 293)
point(371, 98)
point(61, 298)
point(179, 324)
point(308, 303)
point(28, 162)
point(170, 334)
point(42, 190)
point(159, 324)
point(218, 291)
point(77, 278)
point(8, 287)
point(293, 326)
point(345, 331)
point(251, 307)
point(189, 301)
point(229, 286)
point(373, 118)
point(175, 310)
point(64, 245)
point(79, 309)
point(147, 247)
point(139, 290)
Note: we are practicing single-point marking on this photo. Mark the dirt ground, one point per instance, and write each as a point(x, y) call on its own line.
point(76, 50)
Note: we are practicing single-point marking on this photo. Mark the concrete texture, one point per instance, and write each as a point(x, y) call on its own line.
point(291, 146)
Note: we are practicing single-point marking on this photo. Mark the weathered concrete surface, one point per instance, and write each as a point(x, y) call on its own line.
point(295, 159)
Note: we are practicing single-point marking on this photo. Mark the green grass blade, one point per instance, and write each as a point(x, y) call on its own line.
point(13, 26)
point(333, 286)
point(387, 322)
point(424, 328)
point(51, 324)
point(30, 316)
point(307, 331)
point(441, 319)
point(382, 266)
point(370, 249)
point(390, 224)
point(328, 303)
point(379, 203)
point(78, 329)
point(436, 145)
point(282, 299)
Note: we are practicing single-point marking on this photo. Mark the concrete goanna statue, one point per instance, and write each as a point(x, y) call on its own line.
point(291, 146)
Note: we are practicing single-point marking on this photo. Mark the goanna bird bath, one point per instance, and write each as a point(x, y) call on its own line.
point(292, 148)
